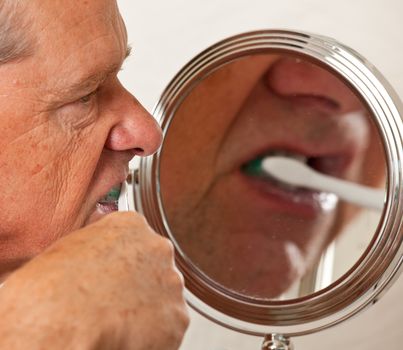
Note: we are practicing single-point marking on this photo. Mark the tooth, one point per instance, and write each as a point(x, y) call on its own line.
point(301, 158)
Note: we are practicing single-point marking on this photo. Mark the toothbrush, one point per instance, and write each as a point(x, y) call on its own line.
point(126, 200)
point(296, 173)
point(122, 200)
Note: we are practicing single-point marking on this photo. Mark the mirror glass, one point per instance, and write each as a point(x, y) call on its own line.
point(245, 231)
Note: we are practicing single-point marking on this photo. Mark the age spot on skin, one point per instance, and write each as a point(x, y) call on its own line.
point(37, 169)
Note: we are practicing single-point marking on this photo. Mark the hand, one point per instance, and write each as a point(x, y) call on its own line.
point(111, 285)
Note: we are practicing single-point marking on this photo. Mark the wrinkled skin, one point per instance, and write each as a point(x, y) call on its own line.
point(111, 285)
point(69, 129)
point(235, 227)
point(64, 146)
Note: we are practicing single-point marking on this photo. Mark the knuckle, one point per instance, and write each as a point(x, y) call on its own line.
point(176, 283)
point(179, 279)
point(168, 247)
point(183, 318)
point(163, 247)
point(186, 319)
point(179, 321)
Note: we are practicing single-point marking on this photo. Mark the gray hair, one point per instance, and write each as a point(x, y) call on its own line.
point(15, 40)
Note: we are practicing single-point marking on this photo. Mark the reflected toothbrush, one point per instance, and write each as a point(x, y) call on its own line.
point(296, 173)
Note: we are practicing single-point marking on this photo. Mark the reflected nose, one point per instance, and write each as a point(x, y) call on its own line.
point(137, 131)
point(294, 77)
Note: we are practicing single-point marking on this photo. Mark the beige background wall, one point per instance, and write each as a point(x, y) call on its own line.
point(166, 34)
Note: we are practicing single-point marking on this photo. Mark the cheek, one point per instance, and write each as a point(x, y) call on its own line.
point(46, 178)
point(72, 172)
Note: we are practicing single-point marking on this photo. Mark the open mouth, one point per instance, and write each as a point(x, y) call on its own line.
point(254, 168)
point(109, 202)
point(291, 197)
point(332, 165)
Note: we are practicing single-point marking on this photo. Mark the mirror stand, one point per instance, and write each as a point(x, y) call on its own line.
point(277, 342)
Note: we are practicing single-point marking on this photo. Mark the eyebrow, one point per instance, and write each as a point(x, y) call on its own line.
point(92, 80)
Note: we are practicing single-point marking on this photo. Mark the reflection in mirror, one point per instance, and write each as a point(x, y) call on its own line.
point(251, 234)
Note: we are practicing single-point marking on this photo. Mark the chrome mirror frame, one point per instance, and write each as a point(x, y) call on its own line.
point(363, 284)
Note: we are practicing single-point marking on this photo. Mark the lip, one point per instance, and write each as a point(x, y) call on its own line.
point(117, 181)
point(107, 208)
point(295, 200)
point(330, 158)
point(102, 208)
point(308, 125)
point(325, 154)
point(294, 124)
point(298, 201)
point(327, 161)
point(105, 178)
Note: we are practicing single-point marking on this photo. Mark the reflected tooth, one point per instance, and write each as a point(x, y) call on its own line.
point(300, 157)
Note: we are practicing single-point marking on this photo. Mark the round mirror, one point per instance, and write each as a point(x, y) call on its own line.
point(266, 249)
point(250, 233)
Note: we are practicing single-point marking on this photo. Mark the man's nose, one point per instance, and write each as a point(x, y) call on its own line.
point(290, 77)
point(136, 131)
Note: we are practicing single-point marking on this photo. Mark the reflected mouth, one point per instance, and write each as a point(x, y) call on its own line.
point(109, 202)
point(254, 168)
point(292, 198)
point(332, 165)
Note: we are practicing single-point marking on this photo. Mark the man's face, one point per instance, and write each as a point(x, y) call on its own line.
point(245, 231)
point(68, 126)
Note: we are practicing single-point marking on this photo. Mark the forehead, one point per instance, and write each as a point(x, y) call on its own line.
point(76, 36)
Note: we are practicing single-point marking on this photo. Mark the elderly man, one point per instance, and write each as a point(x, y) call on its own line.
point(69, 129)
